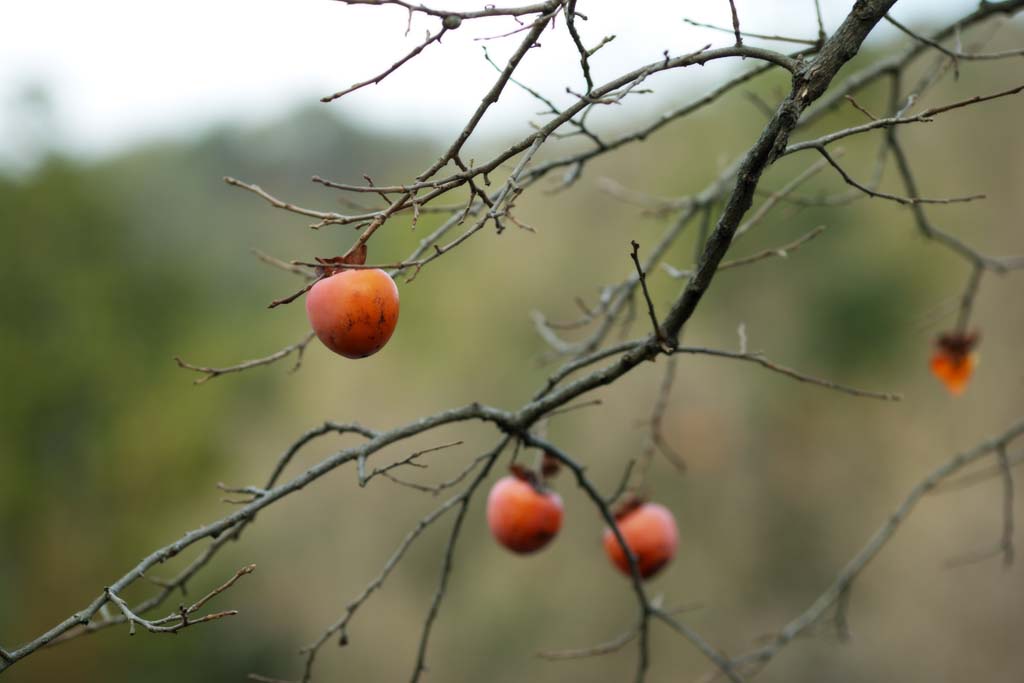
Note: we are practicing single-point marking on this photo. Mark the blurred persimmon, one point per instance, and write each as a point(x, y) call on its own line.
point(953, 359)
point(523, 515)
point(649, 530)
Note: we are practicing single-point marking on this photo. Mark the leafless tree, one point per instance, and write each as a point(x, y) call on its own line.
point(473, 195)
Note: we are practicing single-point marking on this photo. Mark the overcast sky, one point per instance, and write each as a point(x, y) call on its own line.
point(122, 71)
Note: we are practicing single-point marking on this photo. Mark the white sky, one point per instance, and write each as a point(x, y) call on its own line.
point(122, 71)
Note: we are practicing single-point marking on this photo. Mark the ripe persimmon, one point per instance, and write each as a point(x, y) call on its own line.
point(953, 360)
point(354, 312)
point(649, 530)
point(521, 514)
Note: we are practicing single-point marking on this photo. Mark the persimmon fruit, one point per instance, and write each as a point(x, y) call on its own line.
point(649, 530)
point(953, 360)
point(522, 515)
point(354, 312)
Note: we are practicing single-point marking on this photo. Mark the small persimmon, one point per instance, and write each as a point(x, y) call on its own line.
point(953, 360)
point(354, 312)
point(522, 515)
point(649, 529)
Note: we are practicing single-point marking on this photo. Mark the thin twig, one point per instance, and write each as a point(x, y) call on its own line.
point(779, 252)
point(656, 435)
point(448, 560)
point(179, 620)
point(613, 645)
point(486, 11)
point(286, 206)
point(634, 570)
point(949, 53)
point(436, 489)
point(800, 377)
point(782, 193)
point(885, 195)
point(570, 23)
point(1006, 544)
point(893, 121)
point(287, 267)
point(978, 477)
point(575, 406)
point(292, 297)
point(735, 23)
point(967, 300)
point(647, 297)
point(298, 348)
point(881, 537)
point(821, 22)
point(721, 660)
point(390, 70)
point(760, 36)
point(340, 627)
point(862, 110)
point(409, 460)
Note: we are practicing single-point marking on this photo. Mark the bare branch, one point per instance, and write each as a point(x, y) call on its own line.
point(821, 22)
point(967, 301)
point(925, 116)
point(390, 70)
point(952, 55)
point(885, 195)
point(1007, 540)
point(278, 204)
point(570, 22)
point(647, 297)
point(924, 224)
point(725, 666)
point(436, 489)
point(980, 476)
point(782, 193)
point(408, 460)
point(288, 267)
point(761, 656)
point(488, 11)
point(781, 252)
point(175, 622)
point(609, 519)
point(735, 23)
point(297, 348)
point(765, 363)
point(862, 110)
point(339, 628)
point(760, 36)
point(656, 436)
point(613, 645)
point(446, 565)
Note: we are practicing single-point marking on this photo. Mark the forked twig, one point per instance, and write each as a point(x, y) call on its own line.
point(297, 348)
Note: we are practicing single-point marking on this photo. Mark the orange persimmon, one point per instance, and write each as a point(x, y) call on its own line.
point(354, 312)
point(649, 529)
point(522, 515)
point(953, 360)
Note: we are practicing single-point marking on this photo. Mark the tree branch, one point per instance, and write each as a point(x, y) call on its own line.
point(761, 656)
